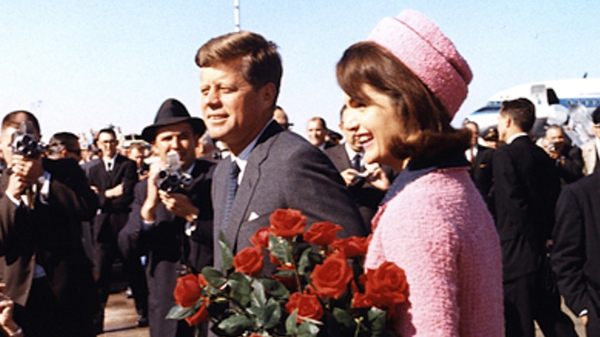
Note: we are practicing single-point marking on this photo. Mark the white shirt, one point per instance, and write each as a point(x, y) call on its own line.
point(351, 154)
point(515, 136)
point(242, 158)
point(111, 161)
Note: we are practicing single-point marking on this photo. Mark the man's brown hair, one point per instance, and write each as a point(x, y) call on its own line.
point(522, 112)
point(425, 124)
point(261, 61)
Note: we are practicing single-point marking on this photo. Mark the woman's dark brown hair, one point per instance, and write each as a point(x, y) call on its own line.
point(424, 122)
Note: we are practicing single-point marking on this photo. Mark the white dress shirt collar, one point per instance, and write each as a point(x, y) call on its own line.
point(515, 136)
point(111, 161)
point(242, 158)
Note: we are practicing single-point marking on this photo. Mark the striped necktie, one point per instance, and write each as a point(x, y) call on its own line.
point(231, 189)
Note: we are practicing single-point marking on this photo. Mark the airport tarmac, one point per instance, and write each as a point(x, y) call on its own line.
point(120, 316)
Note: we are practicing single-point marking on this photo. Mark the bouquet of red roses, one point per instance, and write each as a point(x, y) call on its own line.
point(298, 290)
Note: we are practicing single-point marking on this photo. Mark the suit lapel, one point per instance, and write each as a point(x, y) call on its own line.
point(340, 158)
point(248, 184)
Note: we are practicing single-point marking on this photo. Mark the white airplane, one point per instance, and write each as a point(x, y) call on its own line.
point(561, 102)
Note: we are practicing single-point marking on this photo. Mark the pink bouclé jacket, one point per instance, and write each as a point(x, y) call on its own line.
point(438, 229)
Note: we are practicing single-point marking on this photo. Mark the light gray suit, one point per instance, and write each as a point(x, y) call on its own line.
point(283, 171)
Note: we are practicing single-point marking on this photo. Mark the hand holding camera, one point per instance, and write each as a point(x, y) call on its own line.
point(168, 185)
point(25, 159)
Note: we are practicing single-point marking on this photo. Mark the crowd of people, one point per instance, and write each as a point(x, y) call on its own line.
point(490, 228)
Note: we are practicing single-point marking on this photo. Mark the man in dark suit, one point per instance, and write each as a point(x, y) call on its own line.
point(526, 186)
point(367, 184)
point(268, 168)
point(113, 178)
point(42, 204)
point(171, 224)
point(576, 250)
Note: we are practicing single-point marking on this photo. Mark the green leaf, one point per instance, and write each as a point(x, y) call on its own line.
point(280, 248)
point(290, 324)
point(285, 273)
point(377, 320)
point(305, 266)
point(275, 288)
point(272, 315)
point(267, 316)
point(214, 277)
point(236, 325)
point(178, 312)
point(343, 318)
point(241, 287)
point(226, 252)
point(308, 329)
point(259, 298)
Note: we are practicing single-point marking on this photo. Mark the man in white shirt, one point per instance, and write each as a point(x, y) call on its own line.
point(367, 183)
point(240, 75)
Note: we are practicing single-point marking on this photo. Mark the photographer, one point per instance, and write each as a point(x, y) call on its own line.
point(568, 158)
point(42, 204)
point(173, 225)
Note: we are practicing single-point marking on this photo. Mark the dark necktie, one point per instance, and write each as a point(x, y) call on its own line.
point(108, 167)
point(356, 163)
point(231, 189)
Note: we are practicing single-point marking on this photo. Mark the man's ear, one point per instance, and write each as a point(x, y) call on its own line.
point(509, 121)
point(268, 93)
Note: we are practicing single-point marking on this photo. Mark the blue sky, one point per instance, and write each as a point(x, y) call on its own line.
point(84, 64)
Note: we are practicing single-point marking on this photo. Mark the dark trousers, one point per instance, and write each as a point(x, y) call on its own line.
point(525, 300)
point(106, 254)
point(44, 316)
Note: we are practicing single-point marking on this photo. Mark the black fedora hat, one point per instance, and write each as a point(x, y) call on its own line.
point(172, 112)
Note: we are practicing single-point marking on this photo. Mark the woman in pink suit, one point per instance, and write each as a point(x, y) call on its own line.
point(404, 85)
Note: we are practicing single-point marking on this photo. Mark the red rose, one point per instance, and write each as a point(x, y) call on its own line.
point(288, 281)
point(361, 301)
point(331, 278)
point(308, 306)
point(187, 291)
point(352, 246)
point(287, 223)
point(261, 238)
point(386, 286)
point(200, 316)
point(249, 261)
point(322, 233)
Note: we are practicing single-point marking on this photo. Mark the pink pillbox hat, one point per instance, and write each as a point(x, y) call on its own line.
point(421, 46)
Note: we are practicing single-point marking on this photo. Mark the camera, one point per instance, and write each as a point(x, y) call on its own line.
point(171, 179)
point(25, 143)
